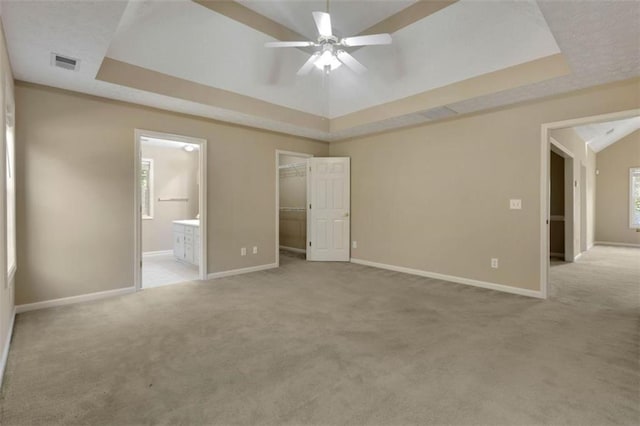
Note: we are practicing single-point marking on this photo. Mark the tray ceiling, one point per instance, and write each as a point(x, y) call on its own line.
point(208, 58)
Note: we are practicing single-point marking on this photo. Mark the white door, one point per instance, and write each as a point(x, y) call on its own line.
point(329, 209)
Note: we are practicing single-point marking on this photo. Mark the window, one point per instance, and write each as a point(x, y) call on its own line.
point(146, 182)
point(634, 197)
point(11, 183)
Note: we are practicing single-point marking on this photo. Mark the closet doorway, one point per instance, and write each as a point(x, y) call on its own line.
point(291, 204)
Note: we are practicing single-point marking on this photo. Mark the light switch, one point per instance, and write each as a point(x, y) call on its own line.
point(515, 204)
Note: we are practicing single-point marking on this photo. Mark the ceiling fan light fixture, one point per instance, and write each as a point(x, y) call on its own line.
point(328, 58)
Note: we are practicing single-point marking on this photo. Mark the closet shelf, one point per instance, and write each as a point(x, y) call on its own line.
point(293, 209)
point(293, 170)
point(173, 199)
point(292, 166)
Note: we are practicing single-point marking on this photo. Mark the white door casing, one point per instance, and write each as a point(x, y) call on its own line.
point(329, 209)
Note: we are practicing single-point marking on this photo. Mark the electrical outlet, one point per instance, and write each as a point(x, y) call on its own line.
point(515, 204)
point(355, 244)
point(255, 249)
point(494, 263)
point(243, 251)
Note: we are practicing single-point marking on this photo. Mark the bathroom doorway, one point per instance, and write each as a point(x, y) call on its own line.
point(171, 208)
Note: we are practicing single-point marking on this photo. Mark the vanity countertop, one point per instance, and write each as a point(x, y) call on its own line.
point(188, 222)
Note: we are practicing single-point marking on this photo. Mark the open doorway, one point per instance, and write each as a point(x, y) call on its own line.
point(588, 198)
point(171, 209)
point(291, 202)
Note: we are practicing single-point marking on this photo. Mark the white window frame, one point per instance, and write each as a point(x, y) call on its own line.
point(151, 185)
point(632, 171)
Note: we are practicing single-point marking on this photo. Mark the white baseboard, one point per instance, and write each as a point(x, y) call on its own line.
point(74, 299)
point(5, 351)
point(611, 243)
point(293, 249)
point(459, 280)
point(157, 253)
point(240, 271)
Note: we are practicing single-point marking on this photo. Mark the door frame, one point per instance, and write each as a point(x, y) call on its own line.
point(137, 199)
point(280, 152)
point(545, 150)
point(583, 207)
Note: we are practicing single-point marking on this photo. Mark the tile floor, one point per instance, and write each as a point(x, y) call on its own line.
point(164, 269)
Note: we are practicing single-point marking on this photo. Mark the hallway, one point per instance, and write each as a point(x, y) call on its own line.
point(605, 277)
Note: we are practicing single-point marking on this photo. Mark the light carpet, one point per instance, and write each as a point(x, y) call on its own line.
point(337, 343)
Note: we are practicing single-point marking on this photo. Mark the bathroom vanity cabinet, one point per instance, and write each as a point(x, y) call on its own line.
point(186, 241)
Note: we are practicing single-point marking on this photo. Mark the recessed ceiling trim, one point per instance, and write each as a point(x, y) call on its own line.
point(508, 78)
point(124, 74)
point(236, 11)
point(252, 19)
point(417, 11)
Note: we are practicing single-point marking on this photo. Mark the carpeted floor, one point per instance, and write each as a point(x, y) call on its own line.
point(332, 343)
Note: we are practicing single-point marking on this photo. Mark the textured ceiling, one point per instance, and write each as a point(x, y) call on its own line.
point(601, 135)
point(599, 40)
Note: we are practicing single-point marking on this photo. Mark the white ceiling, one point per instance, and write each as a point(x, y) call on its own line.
point(464, 40)
point(480, 38)
point(178, 39)
point(347, 16)
point(600, 40)
point(600, 135)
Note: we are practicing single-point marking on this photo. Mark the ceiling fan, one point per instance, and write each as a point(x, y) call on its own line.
point(331, 55)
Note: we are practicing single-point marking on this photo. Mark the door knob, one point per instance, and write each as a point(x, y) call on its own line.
point(346, 214)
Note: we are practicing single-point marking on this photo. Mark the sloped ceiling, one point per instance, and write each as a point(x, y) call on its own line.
point(601, 135)
point(208, 57)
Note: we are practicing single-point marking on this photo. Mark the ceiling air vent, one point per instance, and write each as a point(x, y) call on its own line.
point(439, 113)
point(64, 62)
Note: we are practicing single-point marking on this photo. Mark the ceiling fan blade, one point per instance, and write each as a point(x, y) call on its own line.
point(323, 22)
point(351, 62)
point(289, 44)
point(367, 40)
point(308, 66)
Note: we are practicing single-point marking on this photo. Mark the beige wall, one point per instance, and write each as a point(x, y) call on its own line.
point(436, 197)
point(293, 193)
point(612, 203)
point(175, 175)
point(6, 289)
point(75, 194)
